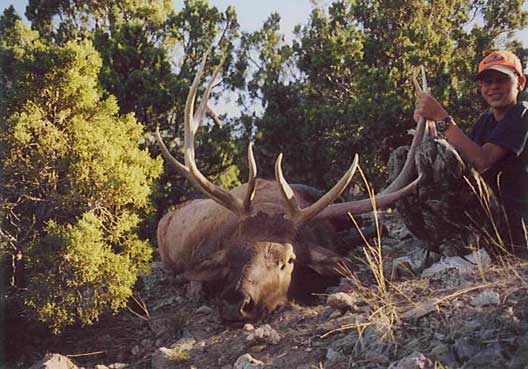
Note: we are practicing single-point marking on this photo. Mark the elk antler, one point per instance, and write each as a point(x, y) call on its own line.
point(300, 216)
point(400, 187)
point(422, 130)
point(381, 201)
point(192, 122)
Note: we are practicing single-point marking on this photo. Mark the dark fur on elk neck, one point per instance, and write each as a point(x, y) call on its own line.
point(265, 227)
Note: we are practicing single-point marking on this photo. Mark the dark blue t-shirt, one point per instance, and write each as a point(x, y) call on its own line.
point(508, 177)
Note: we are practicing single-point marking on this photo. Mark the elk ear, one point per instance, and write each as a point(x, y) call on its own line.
point(325, 261)
point(213, 268)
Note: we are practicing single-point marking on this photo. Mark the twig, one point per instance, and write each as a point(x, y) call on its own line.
point(142, 305)
point(346, 327)
point(86, 354)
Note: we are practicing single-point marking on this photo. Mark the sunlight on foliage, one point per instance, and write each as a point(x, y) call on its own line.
point(76, 184)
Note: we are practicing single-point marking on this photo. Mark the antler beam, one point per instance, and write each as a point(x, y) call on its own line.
point(190, 170)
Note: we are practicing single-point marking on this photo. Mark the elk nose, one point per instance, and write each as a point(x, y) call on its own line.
point(247, 306)
point(237, 306)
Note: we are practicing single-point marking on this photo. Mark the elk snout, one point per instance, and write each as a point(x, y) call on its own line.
point(239, 306)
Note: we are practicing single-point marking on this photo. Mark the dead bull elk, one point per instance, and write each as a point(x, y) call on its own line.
point(256, 243)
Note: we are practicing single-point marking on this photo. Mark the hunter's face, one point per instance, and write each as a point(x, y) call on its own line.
point(498, 89)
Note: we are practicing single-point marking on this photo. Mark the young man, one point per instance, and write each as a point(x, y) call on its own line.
point(497, 146)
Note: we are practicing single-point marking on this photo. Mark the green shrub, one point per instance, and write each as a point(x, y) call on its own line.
point(75, 183)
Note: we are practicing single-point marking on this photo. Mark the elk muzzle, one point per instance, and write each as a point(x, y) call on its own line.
point(238, 306)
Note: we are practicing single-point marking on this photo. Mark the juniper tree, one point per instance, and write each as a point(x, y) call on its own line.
point(75, 184)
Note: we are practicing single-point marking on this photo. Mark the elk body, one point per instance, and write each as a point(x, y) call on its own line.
point(265, 242)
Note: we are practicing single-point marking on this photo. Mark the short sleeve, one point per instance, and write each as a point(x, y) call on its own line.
point(512, 132)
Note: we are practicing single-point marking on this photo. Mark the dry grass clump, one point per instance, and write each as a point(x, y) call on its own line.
point(383, 312)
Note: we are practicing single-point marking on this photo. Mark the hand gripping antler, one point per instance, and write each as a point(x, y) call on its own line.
point(190, 170)
point(323, 208)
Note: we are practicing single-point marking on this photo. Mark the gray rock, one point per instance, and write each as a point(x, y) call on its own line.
point(204, 309)
point(520, 356)
point(247, 361)
point(249, 327)
point(444, 354)
point(54, 361)
point(486, 298)
point(167, 358)
point(264, 333)
point(333, 357)
point(489, 358)
point(341, 301)
point(416, 360)
point(465, 349)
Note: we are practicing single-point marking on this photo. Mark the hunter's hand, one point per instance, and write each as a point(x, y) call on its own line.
point(428, 108)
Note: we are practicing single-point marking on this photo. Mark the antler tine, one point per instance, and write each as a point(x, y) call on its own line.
point(168, 156)
point(332, 195)
point(430, 125)
point(181, 168)
point(203, 107)
point(416, 84)
point(301, 216)
point(409, 169)
point(190, 170)
point(252, 179)
point(292, 206)
point(425, 86)
point(191, 125)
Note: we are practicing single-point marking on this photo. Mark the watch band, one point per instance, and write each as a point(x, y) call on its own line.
point(443, 125)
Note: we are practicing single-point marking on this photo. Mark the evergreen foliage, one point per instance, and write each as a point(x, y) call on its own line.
point(75, 184)
point(344, 83)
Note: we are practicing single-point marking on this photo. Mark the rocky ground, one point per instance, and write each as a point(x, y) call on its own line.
point(474, 316)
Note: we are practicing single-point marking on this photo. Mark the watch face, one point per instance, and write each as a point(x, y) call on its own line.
point(442, 125)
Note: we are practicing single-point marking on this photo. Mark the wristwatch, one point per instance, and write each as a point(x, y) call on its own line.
point(443, 124)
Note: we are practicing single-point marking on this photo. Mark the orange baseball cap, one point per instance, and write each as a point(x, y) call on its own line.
point(502, 61)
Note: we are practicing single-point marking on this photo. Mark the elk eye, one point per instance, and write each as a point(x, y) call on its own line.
point(290, 261)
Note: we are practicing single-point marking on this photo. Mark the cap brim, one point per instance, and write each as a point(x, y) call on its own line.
point(499, 68)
